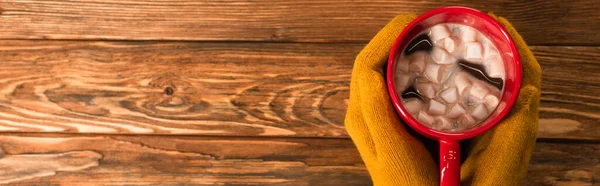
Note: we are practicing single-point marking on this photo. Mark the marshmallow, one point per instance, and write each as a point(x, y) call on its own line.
point(426, 89)
point(490, 50)
point(444, 74)
point(436, 108)
point(417, 62)
point(442, 123)
point(449, 95)
point(402, 65)
point(473, 52)
point(462, 81)
point(441, 56)
point(456, 110)
point(468, 34)
point(425, 118)
point(478, 91)
point(480, 112)
point(491, 102)
point(402, 82)
point(495, 67)
point(466, 121)
point(450, 44)
point(413, 106)
point(438, 32)
point(436, 73)
point(432, 72)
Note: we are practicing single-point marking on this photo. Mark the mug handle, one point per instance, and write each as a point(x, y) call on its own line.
point(449, 163)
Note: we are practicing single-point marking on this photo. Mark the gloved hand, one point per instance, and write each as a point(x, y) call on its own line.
point(394, 157)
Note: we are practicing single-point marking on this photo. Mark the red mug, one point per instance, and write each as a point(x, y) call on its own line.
point(450, 141)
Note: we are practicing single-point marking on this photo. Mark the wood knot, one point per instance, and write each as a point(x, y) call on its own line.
point(171, 84)
point(171, 95)
point(169, 91)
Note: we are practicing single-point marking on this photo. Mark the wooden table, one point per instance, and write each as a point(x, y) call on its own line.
point(244, 92)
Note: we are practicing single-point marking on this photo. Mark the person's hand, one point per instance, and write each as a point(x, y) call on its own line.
point(394, 157)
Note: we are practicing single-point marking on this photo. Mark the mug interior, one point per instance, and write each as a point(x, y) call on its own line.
point(495, 33)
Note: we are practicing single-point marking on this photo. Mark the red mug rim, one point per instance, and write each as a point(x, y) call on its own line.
point(412, 122)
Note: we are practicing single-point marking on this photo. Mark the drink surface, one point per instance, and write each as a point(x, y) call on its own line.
point(450, 77)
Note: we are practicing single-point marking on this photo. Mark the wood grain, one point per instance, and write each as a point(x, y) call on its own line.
point(564, 164)
point(185, 160)
point(117, 160)
point(570, 105)
point(240, 89)
point(542, 22)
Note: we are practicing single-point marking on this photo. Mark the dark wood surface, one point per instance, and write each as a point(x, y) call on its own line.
point(116, 160)
point(540, 21)
point(244, 92)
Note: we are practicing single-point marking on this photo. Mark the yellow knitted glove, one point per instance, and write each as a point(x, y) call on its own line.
point(394, 157)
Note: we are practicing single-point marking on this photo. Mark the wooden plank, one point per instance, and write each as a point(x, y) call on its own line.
point(240, 89)
point(117, 160)
point(541, 22)
point(570, 105)
point(564, 164)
